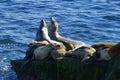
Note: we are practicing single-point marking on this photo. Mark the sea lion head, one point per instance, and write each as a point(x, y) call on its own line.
point(43, 23)
point(44, 27)
point(54, 24)
point(40, 34)
point(44, 30)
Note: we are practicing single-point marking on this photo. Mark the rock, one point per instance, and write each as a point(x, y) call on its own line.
point(68, 69)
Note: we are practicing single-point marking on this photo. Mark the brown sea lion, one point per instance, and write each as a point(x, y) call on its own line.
point(101, 47)
point(98, 45)
point(36, 52)
point(109, 53)
point(58, 52)
point(53, 33)
point(84, 52)
point(43, 51)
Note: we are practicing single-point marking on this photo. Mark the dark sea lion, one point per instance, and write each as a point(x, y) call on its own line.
point(53, 33)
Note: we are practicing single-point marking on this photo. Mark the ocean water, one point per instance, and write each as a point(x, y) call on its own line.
point(89, 21)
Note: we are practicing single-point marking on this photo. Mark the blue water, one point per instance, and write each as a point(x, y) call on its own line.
point(87, 20)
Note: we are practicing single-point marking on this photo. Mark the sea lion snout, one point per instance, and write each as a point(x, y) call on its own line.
point(43, 23)
point(52, 19)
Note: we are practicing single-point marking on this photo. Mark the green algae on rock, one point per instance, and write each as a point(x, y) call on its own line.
point(68, 69)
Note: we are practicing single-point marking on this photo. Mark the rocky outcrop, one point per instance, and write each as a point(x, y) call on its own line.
point(68, 69)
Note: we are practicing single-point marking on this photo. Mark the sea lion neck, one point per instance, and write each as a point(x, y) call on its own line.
point(56, 34)
point(55, 29)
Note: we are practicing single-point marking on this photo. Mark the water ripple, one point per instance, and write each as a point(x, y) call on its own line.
point(89, 21)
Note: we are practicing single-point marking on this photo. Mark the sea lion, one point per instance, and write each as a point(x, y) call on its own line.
point(58, 52)
point(41, 40)
point(43, 51)
point(44, 37)
point(44, 33)
point(108, 52)
point(42, 45)
point(33, 46)
point(53, 33)
point(101, 47)
point(84, 52)
point(39, 34)
point(98, 45)
point(36, 52)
